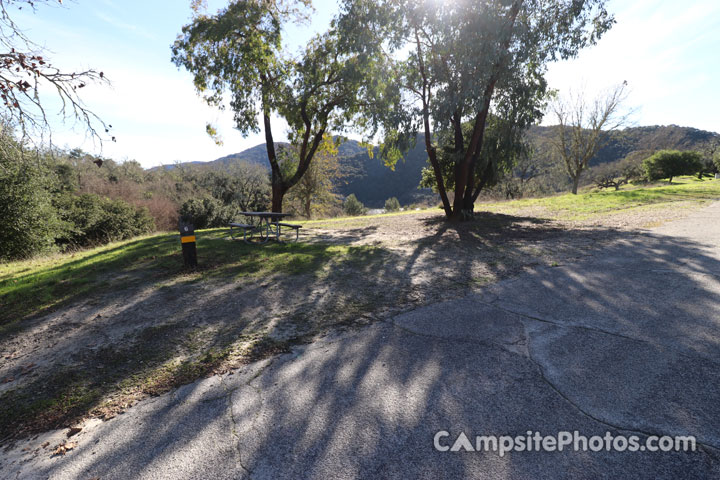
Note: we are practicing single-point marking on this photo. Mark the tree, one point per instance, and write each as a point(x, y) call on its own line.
point(251, 187)
point(465, 59)
point(354, 207)
point(207, 212)
point(711, 156)
point(619, 173)
point(28, 221)
point(672, 163)
point(315, 192)
point(515, 183)
point(26, 73)
point(392, 204)
point(504, 147)
point(240, 50)
point(583, 127)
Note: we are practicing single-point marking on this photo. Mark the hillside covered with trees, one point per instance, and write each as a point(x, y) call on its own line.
point(373, 183)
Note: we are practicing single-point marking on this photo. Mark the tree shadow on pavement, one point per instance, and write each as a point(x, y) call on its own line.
point(623, 338)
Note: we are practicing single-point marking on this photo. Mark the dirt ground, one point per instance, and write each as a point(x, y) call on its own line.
point(96, 357)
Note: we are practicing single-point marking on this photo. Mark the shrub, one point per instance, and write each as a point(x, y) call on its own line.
point(672, 163)
point(207, 212)
point(27, 219)
point(93, 220)
point(163, 210)
point(352, 206)
point(392, 204)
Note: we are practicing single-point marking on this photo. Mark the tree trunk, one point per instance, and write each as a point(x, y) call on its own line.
point(576, 181)
point(277, 198)
point(308, 206)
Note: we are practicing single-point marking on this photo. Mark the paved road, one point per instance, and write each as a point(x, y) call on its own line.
point(626, 342)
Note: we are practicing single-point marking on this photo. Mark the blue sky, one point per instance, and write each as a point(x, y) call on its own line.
point(668, 51)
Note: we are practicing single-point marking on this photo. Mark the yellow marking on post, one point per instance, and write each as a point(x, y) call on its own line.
point(190, 239)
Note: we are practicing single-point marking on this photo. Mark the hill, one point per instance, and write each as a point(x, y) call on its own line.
point(368, 178)
point(372, 182)
point(623, 142)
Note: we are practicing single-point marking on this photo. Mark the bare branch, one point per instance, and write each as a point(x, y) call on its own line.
point(26, 73)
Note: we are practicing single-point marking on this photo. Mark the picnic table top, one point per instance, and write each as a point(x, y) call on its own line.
point(265, 214)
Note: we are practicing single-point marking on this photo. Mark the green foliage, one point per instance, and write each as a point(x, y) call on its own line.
point(392, 205)
point(315, 193)
point(207, 213)
point(28, 221)
point(353, 207)
point(619, 144)
point(240, 50)
point(672, 163)
point(93, 220)
point(242, 187)
point(464, 61)
point(504, 147)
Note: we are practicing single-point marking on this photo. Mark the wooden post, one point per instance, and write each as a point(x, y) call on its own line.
point(187, 240)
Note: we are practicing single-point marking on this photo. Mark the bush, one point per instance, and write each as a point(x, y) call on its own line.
point(93, 220)
point(207, 213)
point(353, 207)
point(27, 219)
point(672, 163)
point(392, 204)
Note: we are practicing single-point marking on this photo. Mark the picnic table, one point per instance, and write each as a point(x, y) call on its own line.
point(266, 224)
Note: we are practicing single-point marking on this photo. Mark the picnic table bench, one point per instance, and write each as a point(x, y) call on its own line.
point(268, 224)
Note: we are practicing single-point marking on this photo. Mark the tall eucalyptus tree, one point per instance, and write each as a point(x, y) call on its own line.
point(457, 63)
point(240, 51)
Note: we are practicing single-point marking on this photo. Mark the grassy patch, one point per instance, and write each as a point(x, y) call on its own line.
point(362, 221)
point(103, 380)
point(587, 205)
point(33, 287)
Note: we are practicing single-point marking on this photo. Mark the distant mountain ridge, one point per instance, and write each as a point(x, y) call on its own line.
point(373, 183)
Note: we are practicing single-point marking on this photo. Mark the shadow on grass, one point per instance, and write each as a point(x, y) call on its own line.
point(150, 260)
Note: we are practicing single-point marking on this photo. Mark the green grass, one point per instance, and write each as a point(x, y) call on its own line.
point(363, 220)
point(567, 206)
point(587, 205)
point(35, 286)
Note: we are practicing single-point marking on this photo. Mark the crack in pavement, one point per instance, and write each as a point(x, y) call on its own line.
point(495, 304)
point(229, 392)
point(710, 449)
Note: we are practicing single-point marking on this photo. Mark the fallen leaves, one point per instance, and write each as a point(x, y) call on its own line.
point(64, 447)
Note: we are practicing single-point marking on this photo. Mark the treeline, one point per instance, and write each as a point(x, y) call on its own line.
point(57, 201)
